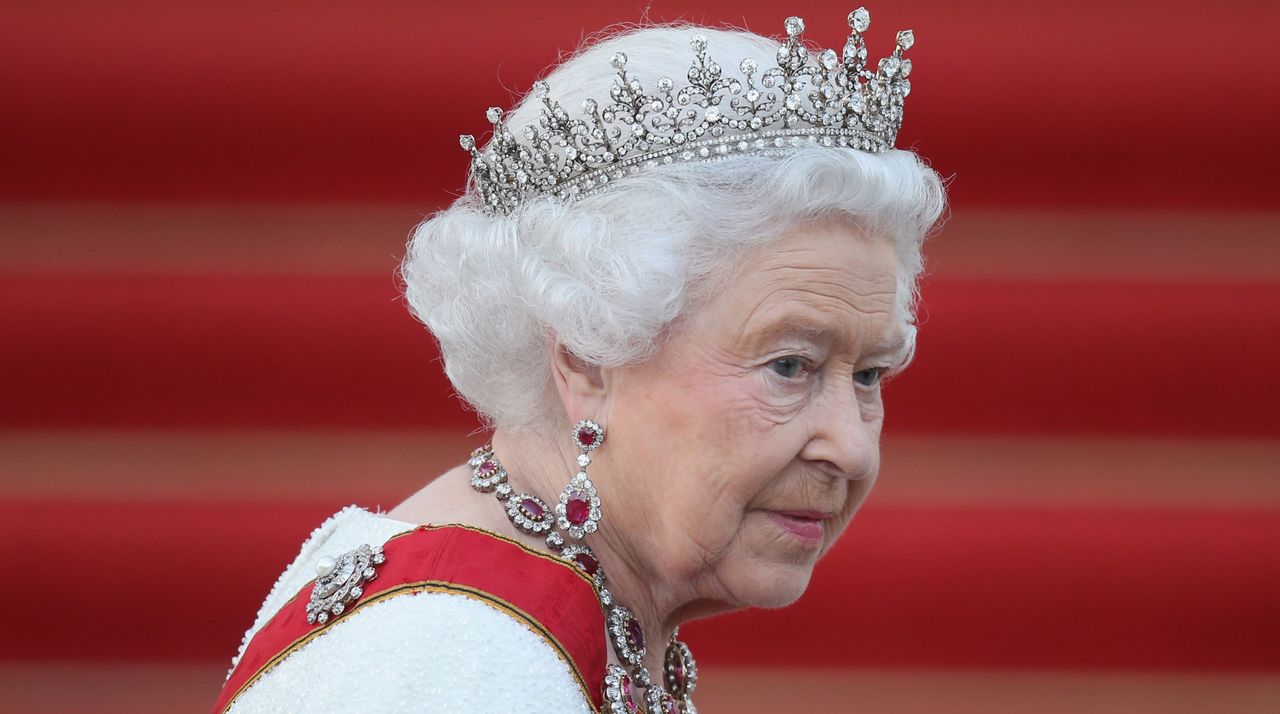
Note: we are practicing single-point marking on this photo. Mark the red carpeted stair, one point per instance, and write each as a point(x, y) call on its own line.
point(203, 352)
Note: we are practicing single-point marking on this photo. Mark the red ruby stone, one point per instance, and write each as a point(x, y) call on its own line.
point(677, 672)
point(586, 437)
point(532, 509)
point(628, 700)
point(577, 509)
point(488, 468)
point(588, 563)
point(635, 636)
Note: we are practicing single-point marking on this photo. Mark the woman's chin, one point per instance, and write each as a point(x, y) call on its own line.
point(776, 585)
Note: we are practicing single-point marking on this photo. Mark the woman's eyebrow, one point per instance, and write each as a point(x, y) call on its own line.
point(792, 326)
point(807, 327)
point(892, 348)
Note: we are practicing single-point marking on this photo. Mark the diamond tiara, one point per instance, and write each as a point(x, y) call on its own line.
point(829, 100)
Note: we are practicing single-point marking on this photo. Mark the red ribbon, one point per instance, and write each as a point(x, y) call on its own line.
point(553, 598)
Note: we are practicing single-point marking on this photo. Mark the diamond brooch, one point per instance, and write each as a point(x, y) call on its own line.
point(340, 582)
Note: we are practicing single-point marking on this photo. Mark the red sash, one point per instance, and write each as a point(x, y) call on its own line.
point(551, 597)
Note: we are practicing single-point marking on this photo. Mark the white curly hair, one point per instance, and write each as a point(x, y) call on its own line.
point(604, 275)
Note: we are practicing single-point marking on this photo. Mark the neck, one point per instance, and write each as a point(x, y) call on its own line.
point(541, 465)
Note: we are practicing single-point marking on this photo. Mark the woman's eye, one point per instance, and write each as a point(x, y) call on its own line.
point(867, 377)
point(789, 367)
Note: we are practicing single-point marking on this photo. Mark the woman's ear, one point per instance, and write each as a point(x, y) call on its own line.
point(579, 383)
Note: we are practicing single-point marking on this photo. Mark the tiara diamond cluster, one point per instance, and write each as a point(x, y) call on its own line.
point(826, 99)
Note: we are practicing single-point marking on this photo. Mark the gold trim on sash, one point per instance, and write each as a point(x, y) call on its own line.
point(438, 586)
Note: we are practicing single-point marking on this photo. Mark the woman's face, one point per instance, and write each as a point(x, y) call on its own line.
point(739, 454)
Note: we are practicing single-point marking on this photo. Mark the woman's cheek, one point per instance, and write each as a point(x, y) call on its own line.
point(871, 406)
point(778, 403)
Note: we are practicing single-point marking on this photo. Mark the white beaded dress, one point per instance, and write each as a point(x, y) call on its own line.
point(421, 652)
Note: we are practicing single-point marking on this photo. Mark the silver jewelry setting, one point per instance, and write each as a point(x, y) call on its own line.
point(486, 473)
point(578, 512)
point(585, 559)
point(619, 691)
point(823, 99)
point(555, 541)
point(588, 435)
point(660, 702)
point(340, 582)
point(530, 513)
point(680, 671)
point(628, 639)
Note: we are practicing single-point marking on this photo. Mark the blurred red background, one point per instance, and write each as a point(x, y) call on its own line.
point(202, 206)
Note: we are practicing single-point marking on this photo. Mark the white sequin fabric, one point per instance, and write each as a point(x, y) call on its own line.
point(426, 652)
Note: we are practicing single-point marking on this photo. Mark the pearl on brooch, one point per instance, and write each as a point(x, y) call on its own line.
point(325, 565)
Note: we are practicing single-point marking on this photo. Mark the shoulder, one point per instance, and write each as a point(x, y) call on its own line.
point(341, 532)
point(457, 619)
point(431, 652)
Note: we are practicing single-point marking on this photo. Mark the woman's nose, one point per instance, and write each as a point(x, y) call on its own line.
point(842, 442)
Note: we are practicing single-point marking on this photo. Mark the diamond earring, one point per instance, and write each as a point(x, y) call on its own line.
point(578, 512)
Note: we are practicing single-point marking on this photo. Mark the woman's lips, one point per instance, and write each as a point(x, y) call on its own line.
point(805, 525)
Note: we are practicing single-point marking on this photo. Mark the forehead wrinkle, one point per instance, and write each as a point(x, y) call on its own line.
point(789, 276)
point(785, 282)
point(811, 319)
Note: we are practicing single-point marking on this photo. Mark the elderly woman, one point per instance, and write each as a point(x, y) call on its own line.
point(684, 267)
